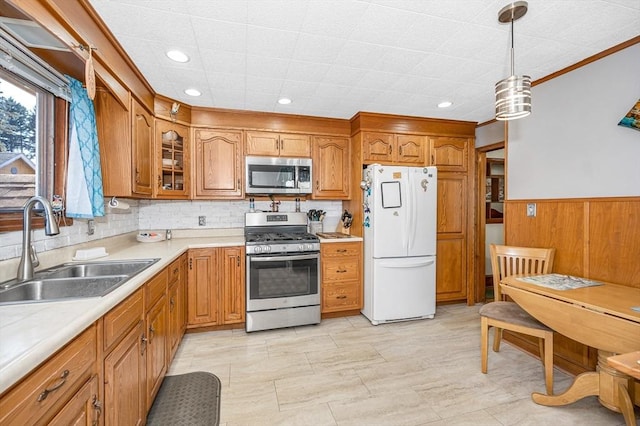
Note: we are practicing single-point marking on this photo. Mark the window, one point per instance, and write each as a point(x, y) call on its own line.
point(33, 131)
point(26, 142)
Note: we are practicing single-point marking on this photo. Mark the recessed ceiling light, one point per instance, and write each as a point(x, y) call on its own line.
point(445, 104)
point(193, 92)
point(177, 56)
point(284, 101)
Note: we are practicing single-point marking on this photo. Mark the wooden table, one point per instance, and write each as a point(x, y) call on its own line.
point(598, 316)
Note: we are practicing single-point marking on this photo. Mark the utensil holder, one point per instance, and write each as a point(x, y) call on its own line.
point(315, 226)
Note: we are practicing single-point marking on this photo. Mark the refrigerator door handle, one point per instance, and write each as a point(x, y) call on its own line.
point(412, 211)
point(408, 265)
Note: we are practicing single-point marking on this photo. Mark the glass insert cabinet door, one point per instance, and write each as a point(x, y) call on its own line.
point(173, 167)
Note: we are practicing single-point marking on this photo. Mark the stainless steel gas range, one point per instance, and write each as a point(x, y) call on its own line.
point(283, 271)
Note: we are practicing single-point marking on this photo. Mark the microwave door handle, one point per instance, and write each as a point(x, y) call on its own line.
point(272, 258)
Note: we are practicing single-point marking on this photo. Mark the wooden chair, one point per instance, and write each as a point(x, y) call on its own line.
point(503, 315)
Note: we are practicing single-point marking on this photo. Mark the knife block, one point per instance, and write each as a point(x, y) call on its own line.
point(340, 228)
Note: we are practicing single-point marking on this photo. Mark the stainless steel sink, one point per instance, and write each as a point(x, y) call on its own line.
point(96, 269)
point(73, 281)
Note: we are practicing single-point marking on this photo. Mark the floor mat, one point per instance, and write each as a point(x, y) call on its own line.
point(191, 399)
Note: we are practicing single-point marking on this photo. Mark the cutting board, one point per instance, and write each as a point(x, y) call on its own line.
point(332, 235)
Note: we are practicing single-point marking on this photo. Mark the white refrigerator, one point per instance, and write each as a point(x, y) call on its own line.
point(400, 208)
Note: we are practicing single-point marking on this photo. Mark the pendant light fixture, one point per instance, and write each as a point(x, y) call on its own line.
point(513, 94)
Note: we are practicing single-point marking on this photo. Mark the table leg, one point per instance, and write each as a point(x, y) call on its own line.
point(586, 384)
point(626, 406)
point(610, 385)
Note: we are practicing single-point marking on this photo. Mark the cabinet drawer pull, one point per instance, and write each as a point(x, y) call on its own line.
point(61, 382)
point(341, 271)
point(341, 251)
point(341, 297)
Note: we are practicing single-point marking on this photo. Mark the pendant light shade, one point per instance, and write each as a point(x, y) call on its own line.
point(513, 94)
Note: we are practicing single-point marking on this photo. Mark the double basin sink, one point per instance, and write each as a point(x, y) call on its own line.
point(73, 281)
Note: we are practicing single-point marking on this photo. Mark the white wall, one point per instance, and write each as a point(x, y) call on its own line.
point(490, 133)
point(571, 145)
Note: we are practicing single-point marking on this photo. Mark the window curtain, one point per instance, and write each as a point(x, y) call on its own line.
point(85, 198)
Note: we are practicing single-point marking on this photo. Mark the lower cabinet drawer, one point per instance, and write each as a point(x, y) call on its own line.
point(341, 269)
point(341, 296)
point(52, 384)
point(119, 320)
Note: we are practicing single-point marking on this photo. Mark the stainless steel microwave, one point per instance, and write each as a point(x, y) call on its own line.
point(277, 175)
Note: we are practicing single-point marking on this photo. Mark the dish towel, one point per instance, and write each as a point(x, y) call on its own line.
point(85, 198)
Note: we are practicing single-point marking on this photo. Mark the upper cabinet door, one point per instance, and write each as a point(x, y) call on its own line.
point(262, 143)
point(449, 153)
point(172, 160)
point(377, 147)
point(142, 144)
point(412, 150)
point(271, 144)
point(113, 122)
point(331, 168)
point(218, 155)
point(295, 145)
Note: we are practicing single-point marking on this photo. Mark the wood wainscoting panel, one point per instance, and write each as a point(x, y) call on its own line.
point(558, 223)
point(614, 236)
point(594, 238)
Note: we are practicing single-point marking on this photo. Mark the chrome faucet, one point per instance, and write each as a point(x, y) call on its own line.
point(29, 259)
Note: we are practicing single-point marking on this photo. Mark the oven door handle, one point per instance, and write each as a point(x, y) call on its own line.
point(294, 257)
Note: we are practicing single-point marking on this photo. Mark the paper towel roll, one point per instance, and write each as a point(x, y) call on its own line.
point(115, 204)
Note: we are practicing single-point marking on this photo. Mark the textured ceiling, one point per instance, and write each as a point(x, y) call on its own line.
point(334, 58)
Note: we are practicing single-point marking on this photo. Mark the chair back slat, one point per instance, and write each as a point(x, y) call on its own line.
point(510, 260)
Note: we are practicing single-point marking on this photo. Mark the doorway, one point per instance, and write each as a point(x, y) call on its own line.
point(490, 194)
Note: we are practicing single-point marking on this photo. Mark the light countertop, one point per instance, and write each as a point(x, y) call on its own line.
point(30, 333)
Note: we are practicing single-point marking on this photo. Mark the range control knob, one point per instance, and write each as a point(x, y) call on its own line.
point(266, 249)
point(301, 247)
point(257, 249)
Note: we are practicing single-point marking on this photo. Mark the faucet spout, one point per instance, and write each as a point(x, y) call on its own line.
point(25, 268)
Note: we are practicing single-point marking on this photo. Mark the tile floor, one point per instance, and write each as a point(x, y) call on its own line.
point(347, 372)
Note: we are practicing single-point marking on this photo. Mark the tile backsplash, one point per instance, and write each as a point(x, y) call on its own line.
point(159, 214)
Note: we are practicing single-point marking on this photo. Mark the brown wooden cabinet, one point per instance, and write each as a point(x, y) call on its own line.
point(341, 276)
point(215, 292)
point(124, 379)
point(113, 123)
point(397, 149)
point(157, 344)
point(331, 168)
point(141, 150)
point(177, 304)
point(273, 144)
point(202, 287)
point(125, 136)
point(172, 160)
point(218, 164)
point(445, 144)
point(83, 409)
point(56, 383)
point(451, 227)
point(449, 154)
point(233, 288)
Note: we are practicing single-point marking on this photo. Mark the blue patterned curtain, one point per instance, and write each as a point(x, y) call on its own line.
point(85, 198)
